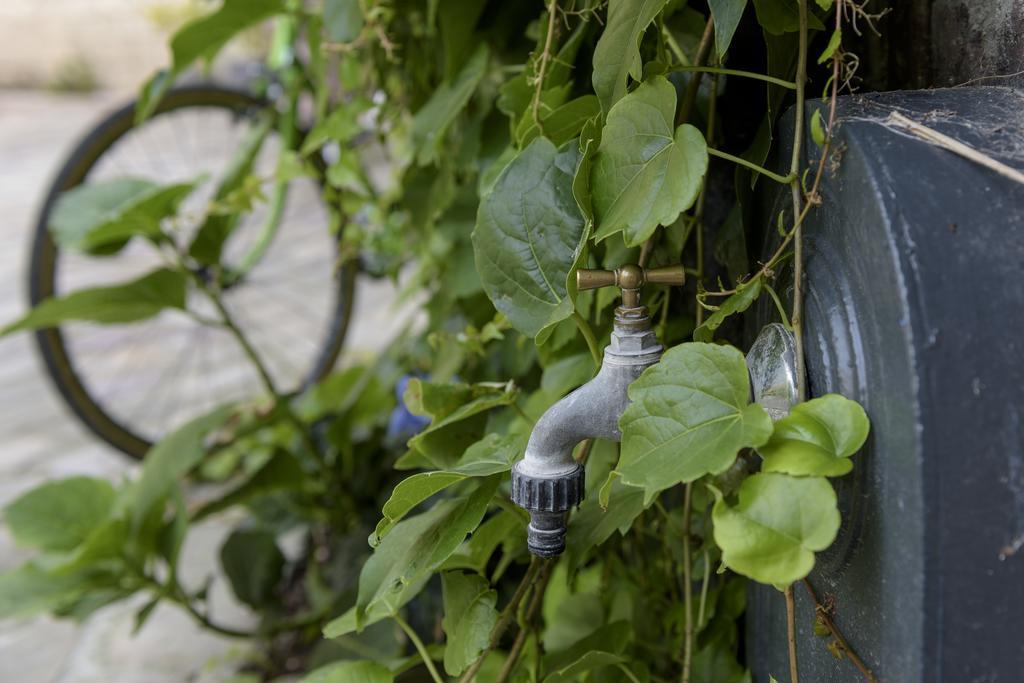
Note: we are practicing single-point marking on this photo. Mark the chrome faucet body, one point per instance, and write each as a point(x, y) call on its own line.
point(548, 482)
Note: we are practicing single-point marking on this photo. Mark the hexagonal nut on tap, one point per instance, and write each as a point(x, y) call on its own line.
point(547, 499)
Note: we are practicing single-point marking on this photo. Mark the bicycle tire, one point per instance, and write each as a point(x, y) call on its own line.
point(57, 360)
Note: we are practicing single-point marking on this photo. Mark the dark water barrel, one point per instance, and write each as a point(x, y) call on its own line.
point(915, 307)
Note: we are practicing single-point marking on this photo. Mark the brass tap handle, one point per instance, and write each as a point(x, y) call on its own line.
point(630, 278)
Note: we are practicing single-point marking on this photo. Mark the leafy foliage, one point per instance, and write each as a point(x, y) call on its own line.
point(525, 251)
point(60, 515)
point(691, 414)
point(645, 174)
point(772, 533)
point(617, 54)
point(485, 152)
point(817, 438)
point(133, 301)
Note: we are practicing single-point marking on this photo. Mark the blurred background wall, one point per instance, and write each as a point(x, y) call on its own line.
point(79, 45)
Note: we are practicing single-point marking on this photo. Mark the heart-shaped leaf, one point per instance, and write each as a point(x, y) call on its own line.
point(646, 171)
point(777, 525)
point(469, 616)
point(529, 236)
point(690, 415)
point(617, 53)
point(817, 438)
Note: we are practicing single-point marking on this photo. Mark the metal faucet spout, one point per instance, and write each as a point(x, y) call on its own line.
point(548, 482)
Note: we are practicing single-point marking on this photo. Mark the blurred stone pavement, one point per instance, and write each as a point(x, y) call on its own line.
point(40, 440)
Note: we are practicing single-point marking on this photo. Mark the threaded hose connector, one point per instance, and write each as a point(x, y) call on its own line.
point(547, 499)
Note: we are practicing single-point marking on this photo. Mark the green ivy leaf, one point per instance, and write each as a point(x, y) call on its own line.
point(783, 16)
point(349, 672)
point(458, 413)
point(29, 590)
point(432, 121)
point(456, 21)
point(777, 525)
point(126, 303)
point(690, 415)
point(343, 20)
point(341, 125)
point(506, 529)
point(170, 459)
point(817, 438)
point(595, 659)
point(833, 45)
point(563, 123)
point(253, 564)
point(202, 39)
point(526, 251)
point(593, 524)
point(282, 471)
point(469, 616)
point(104, 544)
point(494, 454)
point(100, 218)
point(60, 515)
point(617, 53)
point(746, 294)
point(565, 374)
point(716, 663)
point(644, 174)
point(411, 552)
point(208, 243)
point(727, 15)
point(817, 128)
point(601, 648)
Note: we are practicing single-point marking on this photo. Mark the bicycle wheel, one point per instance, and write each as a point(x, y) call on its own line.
point(132, 384)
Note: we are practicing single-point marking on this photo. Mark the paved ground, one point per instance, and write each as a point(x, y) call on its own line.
point(40, 440)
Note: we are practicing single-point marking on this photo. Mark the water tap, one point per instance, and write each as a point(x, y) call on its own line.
point(548, 482)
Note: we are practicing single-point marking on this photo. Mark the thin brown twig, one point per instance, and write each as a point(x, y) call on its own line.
point(812, 195)
point(795, 320)
point(505, 618)
point(794, 675)
point(701, 58)
point(536, 600)
point(545, 57)
point(687, 587)
point(797, 192)
point(698, 215)
point(826, 619)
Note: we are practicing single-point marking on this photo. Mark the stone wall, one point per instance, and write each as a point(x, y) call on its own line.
point(977, 38)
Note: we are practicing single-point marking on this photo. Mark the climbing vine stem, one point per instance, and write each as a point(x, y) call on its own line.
point(420, 648)
point(505, 618)
point(588, 333)
point(545, 58)
point(795, 321)
point(687, 586)
point(528, 621)
point(685, 108)
point(823, 615)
